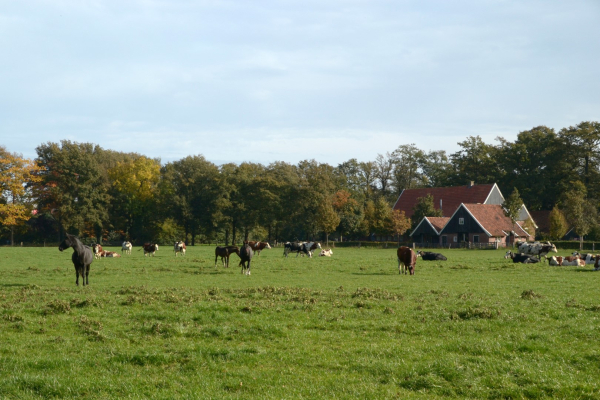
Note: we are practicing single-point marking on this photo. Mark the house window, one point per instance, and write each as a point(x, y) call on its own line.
point(461, 221)
point(444, 239)
point(455, 238)
point(475, 238)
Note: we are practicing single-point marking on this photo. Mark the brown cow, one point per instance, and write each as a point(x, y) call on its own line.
point(179, 248)
point(97, 249)
point(258, 246)
point(150, 248)
point(407, 260)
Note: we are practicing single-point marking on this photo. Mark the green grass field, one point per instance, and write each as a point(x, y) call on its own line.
point(475, 326)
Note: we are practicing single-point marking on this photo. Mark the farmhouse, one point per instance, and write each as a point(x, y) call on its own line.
point(482, 224)
point(479, 208)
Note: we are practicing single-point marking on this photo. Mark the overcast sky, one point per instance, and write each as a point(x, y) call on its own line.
point(289, 80)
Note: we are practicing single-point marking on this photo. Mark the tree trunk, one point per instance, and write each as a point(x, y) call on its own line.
point(12, 236)
point(327, 238)
point(226, 237)
point(580, 242)
point(233, 234)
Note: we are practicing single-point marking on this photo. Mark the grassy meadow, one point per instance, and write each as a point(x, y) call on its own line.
point(475, 326)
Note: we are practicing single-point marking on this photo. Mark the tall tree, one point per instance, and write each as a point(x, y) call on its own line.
point(512, 205)
point(407, 173)
point(424, 208)
point(137, 183)
point(400, 223)
point(436, 168)
point(384, 168)
point(328, 219)
point(73, 185)
point(475, 162)
point(558, 224)
point(16, 176)
point(583, 141)
point(580, 212)
point(538, 153)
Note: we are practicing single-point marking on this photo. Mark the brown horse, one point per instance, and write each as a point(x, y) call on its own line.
point(224, 253)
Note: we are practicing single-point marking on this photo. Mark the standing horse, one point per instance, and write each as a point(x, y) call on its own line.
point(82, 258)
point(224, 253)
point(246, 254)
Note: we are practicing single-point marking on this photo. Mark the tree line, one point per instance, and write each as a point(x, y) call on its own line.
point(109, 195)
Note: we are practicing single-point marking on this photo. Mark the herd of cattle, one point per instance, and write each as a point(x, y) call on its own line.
point(528, 253)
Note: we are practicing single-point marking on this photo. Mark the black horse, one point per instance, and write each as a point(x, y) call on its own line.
point(82, 258)
point(246, 254)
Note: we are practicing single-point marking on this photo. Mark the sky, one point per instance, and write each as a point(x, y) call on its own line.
point(288, 80)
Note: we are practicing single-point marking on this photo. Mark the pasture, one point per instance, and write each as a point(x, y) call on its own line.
point(475, 326)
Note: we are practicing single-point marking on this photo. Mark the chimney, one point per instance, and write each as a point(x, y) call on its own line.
point(440, 204)
point(472, 184)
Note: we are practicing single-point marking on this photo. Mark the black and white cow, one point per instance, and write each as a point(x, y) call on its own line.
point(429, 256)
point(300, 248)
point(588, 258)
point(521, 258)
point(536, 249)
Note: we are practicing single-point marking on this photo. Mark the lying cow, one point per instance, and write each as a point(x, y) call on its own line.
point(179, 248)
point(150, 248)
point(326, 253)
point(597, 263)
point(407, 260)
point(429, 256)
point(521, 258)
point(109, 254)
point(566, 261)
point(588, 258)
point(257, 247)
point(126, 247)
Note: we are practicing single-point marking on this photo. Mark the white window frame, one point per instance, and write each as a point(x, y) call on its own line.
point(455, 238)
point(461, 221)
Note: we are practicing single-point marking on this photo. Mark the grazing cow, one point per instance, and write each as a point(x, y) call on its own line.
point(536, 249)
point(224, 253)
point(150, 248)
point(245, 254)
point(326, 253)
point(97, 249)
point(126, 247)
point(587, 257)
point(294, 247)
point(82, 258)
point(429, 256)
point(521, 258)
point(311, 247)
point(407, 260)
point(566, 261)
point(179, 247)
point(257, 247)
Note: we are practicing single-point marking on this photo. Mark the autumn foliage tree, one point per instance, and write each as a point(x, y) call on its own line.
point(16, 174)
point(400, 223)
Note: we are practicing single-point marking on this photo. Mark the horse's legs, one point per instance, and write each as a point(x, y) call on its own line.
point(77, 276)
point(87, 274)
point(217, 256)
point(248, 267)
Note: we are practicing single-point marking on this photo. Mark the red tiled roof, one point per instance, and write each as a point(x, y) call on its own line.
point(451, 197)
point(438, 222)
point(493, 220)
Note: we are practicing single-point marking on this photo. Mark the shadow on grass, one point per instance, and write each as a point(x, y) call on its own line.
point(12, 284)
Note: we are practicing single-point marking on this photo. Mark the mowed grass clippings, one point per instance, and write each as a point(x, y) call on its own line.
point(475, 326)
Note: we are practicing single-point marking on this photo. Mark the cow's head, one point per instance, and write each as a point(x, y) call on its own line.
point(509, 254)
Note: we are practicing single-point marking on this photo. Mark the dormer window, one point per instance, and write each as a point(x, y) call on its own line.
point(461, 221)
